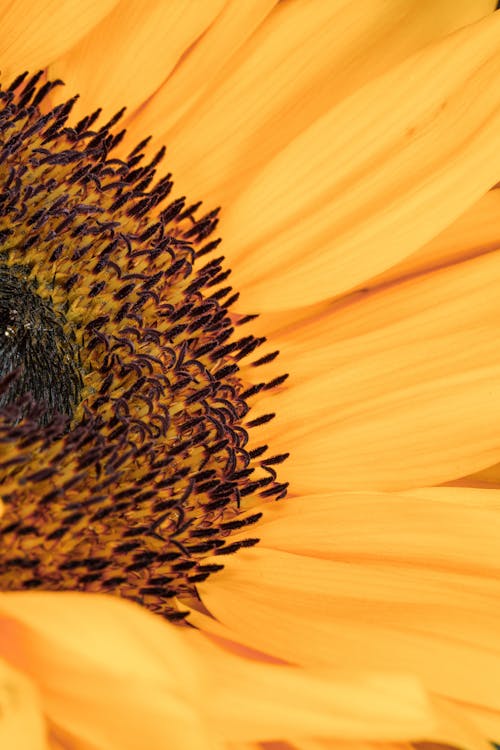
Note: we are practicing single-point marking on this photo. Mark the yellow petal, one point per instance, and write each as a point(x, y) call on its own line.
point(463, 725)
point(197, 70)
point(454, 729)
point(487, 478)
point(336, 745)
point(473, 497)
point(116, 677)
point(414, 528)
point(487, 721)
point(318, 744)
point(474, 233)
point(382, 389)
point(286, 703)
point(377, 594)
point(458, 728)
point(460, 724)
point(373, 179)
point(295, 67)
point(36, 32)
point(127, 56)
point(110, 673)
point(21, 722)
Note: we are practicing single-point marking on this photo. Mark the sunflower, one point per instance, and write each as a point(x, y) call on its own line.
point(205, 544)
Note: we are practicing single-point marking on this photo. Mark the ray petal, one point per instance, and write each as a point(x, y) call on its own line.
point(194, 75)
point(439, 624)
point(396, 389)
point(36, 32)
point(444, 527)
point(474, 233)
point(296, 66)
point(114, 676)
point(110, 674)
point(488, 478)
point(374, 178)
point(21, 721)
point(281, 702)
point(143, 43)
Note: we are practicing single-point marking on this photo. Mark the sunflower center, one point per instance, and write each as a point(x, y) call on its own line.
point(124, 317)
point(36, 348)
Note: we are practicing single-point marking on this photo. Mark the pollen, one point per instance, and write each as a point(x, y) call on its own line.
point(127, 451)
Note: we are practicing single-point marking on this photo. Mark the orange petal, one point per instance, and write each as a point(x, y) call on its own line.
point(361, 616)
point(473, 497)
point(488, 478)
point(457, 728)
point(487, 721)
point(127, 56)
point(21, 721)
point(382, 388)
point(196, 71)
point(36, 32)
point(474, 233)
point(339, 745)
point(113, 676)
point(286, 703)
point(377, 595)
point(415, 527)
point(354, 194)
point(295, 68)
point(110, 673)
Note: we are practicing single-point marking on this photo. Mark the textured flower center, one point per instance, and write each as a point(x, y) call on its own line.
point(36, 347)
point(125, 457)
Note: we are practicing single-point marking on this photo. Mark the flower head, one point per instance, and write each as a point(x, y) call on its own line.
point(106, 321)
point(137, 446)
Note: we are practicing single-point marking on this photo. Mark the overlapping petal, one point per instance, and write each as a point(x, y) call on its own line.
point(21, 721)
point(112, 676)
point(394, 389)
point(198, 70)
point(147, 40)
point(290, 703)
point(311, 174)
point(374, 579)
point(296, 66)
point(36, 32)
point(374, 178)
point(474, 233)
point(487, 478)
